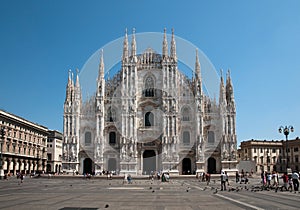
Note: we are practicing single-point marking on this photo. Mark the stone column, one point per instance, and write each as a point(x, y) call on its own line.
point(15, 161)
point(8, 164)
point(29, 166)
point(25, 166)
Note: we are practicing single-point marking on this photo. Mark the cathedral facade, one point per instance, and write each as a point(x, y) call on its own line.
point(149, 117)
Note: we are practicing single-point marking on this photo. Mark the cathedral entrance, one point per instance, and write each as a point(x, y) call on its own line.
point(211, 165)
point(186, 166)
point(149, 161)
point(87, 166)
point(112, 164)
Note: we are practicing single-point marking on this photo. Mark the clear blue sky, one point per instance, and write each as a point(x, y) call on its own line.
point(258, 40)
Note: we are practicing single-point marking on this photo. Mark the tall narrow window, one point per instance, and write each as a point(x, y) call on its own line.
point(87, 138)
point(211, 137)
point(112, 138)
point(186, 138)
point(111, 115)
point(149, 119)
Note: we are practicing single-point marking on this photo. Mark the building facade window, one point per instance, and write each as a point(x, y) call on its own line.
point(112, 137)
point(87, 138)
point(111, 115)
point(149, 119)
point(185, 114)
point(186, 137)
point(149, 87)
point(211, 137)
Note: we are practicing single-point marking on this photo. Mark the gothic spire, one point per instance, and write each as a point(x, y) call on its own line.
point(173, 46)
point(197, 66)
point(101, 66)
point(133, 43)
point(222, 96)
point(77, 84)
point(69, 88)
point(165, 45)
point(229, 88)
point(125, 47)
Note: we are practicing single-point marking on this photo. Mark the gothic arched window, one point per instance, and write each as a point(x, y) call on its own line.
point(186, 138)
point(149, 119)
point(87, 138)
point(111, 115)
point(149, 87)
point(185, 114)
point(211, 137)
point(112, 138)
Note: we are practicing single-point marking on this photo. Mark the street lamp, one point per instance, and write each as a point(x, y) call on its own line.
point(286, 131)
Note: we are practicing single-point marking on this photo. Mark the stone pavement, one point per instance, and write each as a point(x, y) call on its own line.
point(72, 193)
point(78, 193)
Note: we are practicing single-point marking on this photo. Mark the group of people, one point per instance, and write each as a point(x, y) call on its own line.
point(290, 181)
point(204, 177)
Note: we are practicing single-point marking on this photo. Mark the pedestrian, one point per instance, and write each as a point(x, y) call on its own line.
point(285, 179)
point(21, 177)
point(203, 176)
point(295, 177)
point(237, 176)
point(207, 176)
point(226, 178)
point(129, 179)
point(275, 178)
point(269, 177)
point(263, 178)
point(223, 181)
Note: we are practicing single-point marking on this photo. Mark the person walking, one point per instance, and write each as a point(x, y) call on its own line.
point(223, 181)
point(295, 177)
point(285, 179)
point(227, 181)
point(237, 177)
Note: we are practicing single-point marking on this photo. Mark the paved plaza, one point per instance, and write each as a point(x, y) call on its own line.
point(70, 193)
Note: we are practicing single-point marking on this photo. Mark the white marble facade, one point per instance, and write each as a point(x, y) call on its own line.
point(149, 117)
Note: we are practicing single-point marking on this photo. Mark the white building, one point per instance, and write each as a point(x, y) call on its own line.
point(149, 117)
point(54, 151)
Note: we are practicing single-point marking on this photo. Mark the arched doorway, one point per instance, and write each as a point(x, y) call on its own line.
point(211, 165)
point(186, 166)
point(149, 161)
point(48, 167)
point(87, 166)
point(56, 168)
point(112, 164)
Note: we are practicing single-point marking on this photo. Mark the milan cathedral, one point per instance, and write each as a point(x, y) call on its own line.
point(149, 117)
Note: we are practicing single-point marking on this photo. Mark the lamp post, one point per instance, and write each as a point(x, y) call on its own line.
point(286, 131)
